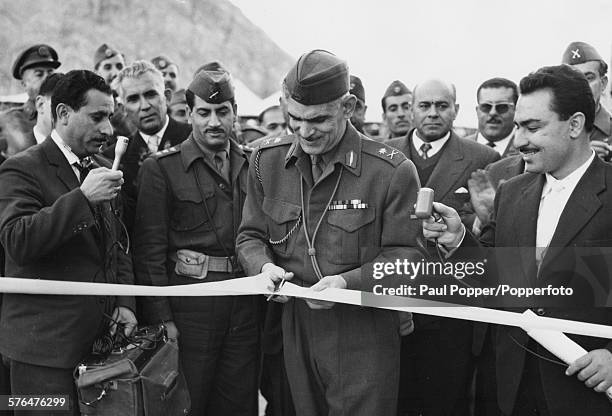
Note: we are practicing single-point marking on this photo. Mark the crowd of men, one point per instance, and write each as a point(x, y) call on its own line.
point(304, 196)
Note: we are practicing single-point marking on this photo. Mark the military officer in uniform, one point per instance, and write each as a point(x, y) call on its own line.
point(315, 200)
point(169, 70)
point(586, 59)
point(189, 208)
point(396, 104)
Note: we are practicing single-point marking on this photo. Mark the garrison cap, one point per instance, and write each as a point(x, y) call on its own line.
point(211, 66)
point(579, 53)
point(394, 89)
point(178, 97)
point(214, 87)
point(104, 52)
point(37, 55)
point(356, 88)
point(318, 77)
point(161, 62)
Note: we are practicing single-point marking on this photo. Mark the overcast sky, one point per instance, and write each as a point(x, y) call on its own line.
point(463, 41)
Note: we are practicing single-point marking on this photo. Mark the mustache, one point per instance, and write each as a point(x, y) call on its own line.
point(215, 130)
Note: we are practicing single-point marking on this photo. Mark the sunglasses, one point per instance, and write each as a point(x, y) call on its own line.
point(502, 108)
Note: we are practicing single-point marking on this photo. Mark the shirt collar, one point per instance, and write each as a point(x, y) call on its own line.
point(38, 134)
point(190, 151)
point(436, 145)
point(570, 181)
point(159, 134)
point(500, 145)
point(65, 149)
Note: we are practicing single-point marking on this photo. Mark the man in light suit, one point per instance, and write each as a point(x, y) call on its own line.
point(60, 222)
point(141, 88)
point(545, 218)
point(444, 162)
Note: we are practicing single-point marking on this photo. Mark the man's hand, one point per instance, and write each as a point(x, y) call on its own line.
point(406, 323)
point(594, 368)
point(273, 274)
point(102, 184)
point(449, 232)
point(482, 195)
point(602, 148)
point(124, 316)
point(336, 281)
point(171, 330)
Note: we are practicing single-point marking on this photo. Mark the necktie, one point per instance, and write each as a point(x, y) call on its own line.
point(153, 143)
point(491, 144)
point(425, 147)
point(219, 160)
point(84, 167)
point(317, 167)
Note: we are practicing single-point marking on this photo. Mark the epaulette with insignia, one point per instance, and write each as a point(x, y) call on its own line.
point(382, 151)
point(166, 152)
point(277, 141)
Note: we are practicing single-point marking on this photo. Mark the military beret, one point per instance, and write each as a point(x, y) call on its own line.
point(161, 62)
point(394, 89)
point(317, 77)
point(579, 53)
point(37, 55)
point(356, 88)
point(214, 87)
point(104, 52)
point(178, 97)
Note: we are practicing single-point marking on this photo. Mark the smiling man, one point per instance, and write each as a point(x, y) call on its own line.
point(58, 222)
point(189, 208)
point(141, 88)
point(340, 359)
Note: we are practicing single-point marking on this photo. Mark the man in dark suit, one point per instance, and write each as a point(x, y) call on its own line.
point(546, 218)
point(444, 162)
point(60, 222)
point(495, 110)
point(141, 88)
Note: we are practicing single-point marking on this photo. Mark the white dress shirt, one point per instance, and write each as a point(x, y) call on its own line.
point(436, 145)
point(555, 194)
point(500, 145)
point(153, 140)
point(67, 152)
point(38, 135)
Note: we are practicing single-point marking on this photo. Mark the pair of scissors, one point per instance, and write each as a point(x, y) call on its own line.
point(277, 286)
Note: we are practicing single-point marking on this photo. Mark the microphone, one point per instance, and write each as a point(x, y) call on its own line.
point(424, 203)
point(120, 148)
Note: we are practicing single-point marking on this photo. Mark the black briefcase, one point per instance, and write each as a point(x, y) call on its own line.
point(141, 378)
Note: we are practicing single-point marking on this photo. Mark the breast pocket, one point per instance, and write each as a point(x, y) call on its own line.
point(350, 230)
point(188, 211)
point(282, 224)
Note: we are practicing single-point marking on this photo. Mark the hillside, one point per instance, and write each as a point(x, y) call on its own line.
point(190, 32)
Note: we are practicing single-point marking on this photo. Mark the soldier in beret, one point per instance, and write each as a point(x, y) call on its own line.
point(169, 70)
point(358, 117)
point(315, 199)
point(189, 208)
point(586, 59)
point(396, 103)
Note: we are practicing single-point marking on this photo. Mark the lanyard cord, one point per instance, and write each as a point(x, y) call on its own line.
point(312, 252)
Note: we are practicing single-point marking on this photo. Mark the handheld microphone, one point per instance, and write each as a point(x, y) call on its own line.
point(424, 203)
point(120, 148)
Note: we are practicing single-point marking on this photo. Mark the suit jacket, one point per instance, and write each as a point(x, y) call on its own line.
point(133, 158)
point(509, 151)
point(50, 231)
point(505, 169)
point(585, 222)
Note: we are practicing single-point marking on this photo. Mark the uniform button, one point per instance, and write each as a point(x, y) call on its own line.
point(222, 186)
point(540, 311)
point(102, 300)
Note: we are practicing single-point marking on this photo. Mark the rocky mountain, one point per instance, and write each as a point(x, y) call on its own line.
point(189, 32)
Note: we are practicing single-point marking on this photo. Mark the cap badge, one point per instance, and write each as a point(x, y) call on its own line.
point(210, 97)
point(108, 52)
point(44, 51)
point(576, 54)
point(396, 89)
point(161, 63)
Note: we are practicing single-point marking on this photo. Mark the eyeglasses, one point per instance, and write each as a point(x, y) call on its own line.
point(501, 108)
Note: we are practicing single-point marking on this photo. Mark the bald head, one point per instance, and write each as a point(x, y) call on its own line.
point(434, 109)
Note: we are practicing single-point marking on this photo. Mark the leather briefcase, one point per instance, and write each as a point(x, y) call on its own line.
point(141, 378)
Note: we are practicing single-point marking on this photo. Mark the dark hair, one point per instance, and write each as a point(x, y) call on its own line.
point(263, 113)
point(49, 84)
point(190, 98)
point(499, 83)
point(603, 68)
point(73, 87)
point(571, 92)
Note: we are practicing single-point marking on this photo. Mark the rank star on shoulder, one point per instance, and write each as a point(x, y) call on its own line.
point(382, 151)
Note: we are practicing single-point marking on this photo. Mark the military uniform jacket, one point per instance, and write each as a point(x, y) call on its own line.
point(50, 231)
point(370, 209)
point(181, 199)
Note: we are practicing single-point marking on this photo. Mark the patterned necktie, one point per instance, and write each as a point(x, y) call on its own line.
point(317, 167)
point(425, 147)
point(84, 167)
